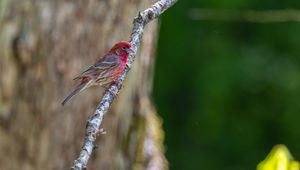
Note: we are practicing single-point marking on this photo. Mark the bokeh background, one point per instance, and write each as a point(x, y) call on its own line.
point(228, 90)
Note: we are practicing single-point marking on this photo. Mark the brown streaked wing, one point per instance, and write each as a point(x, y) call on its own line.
point(108, 61)
point(109, 75)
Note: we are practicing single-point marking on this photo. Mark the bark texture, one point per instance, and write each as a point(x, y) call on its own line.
point(43, 45)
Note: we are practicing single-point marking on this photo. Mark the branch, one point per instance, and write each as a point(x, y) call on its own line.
point(230, 15)
point(94, 122)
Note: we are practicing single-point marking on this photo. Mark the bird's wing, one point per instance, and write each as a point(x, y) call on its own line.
point(105, 63)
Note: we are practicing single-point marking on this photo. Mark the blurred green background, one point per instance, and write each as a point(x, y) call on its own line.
point(227, 91)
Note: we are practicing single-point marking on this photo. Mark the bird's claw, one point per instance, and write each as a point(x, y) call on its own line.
point(99, 132)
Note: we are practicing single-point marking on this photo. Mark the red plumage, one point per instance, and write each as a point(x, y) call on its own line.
point(106, 69)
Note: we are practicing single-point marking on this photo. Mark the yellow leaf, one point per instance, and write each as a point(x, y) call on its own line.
point(279, 159)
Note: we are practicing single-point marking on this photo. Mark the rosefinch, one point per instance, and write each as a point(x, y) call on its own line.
point(106, 69)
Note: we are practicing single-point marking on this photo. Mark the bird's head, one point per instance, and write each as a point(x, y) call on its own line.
point(122, 48)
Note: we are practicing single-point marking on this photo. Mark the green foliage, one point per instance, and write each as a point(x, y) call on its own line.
point(227, 91)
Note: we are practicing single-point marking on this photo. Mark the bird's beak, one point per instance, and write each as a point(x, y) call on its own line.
point(129, 50)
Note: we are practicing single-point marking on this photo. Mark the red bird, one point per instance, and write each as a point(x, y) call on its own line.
point(106, 69)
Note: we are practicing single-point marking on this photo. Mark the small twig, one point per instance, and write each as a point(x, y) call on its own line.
point(94, 122)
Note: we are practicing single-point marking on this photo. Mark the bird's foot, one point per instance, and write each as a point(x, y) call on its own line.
point(111, 92)
point(98, 132)
point(118, 83)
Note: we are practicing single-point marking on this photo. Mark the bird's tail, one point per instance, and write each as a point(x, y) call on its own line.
point(79, 88)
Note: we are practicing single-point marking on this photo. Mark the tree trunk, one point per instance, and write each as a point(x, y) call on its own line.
point(43, 45)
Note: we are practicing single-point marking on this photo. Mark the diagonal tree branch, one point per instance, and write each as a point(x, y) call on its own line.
point(94, 122)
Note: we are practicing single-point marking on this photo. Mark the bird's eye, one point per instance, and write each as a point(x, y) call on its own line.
point(123, 48)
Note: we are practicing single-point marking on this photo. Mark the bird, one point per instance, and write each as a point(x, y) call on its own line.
point(105, 70)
